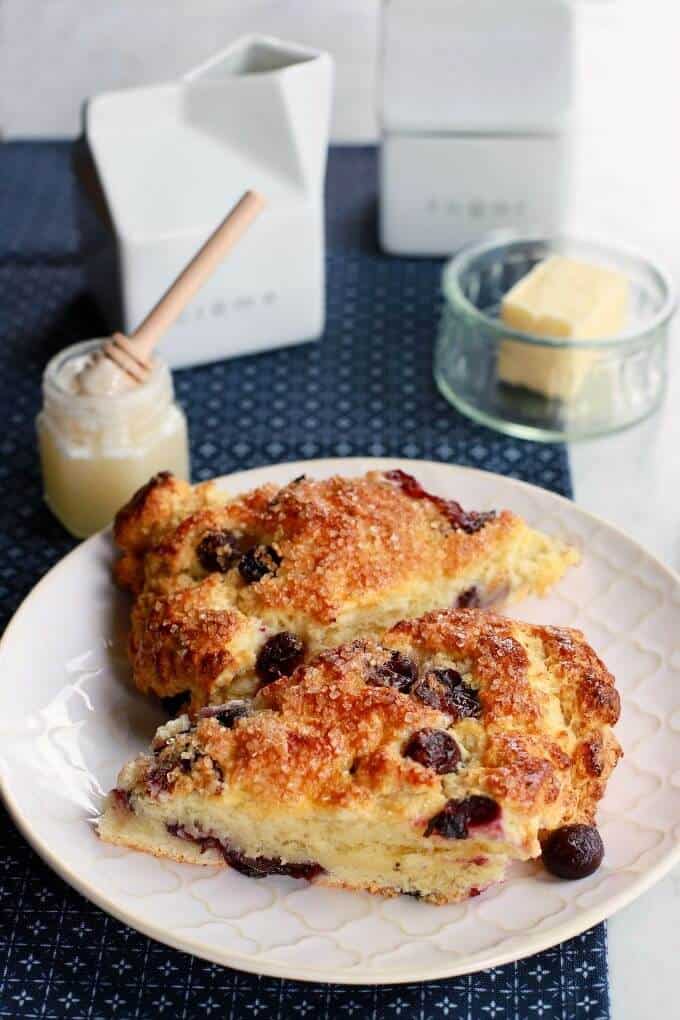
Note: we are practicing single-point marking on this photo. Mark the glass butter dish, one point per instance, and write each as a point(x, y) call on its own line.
point(588, 387)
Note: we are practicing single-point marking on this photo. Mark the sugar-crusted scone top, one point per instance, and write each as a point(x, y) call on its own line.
point(459, 723)
point(326, 560)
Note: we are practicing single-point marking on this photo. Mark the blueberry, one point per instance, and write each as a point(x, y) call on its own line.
point(573, 851)
point(122, 799)
point(482, 810)
point(205, 842)
point(175, 702)
point(460, 520)
point(457, 816)
point(446, 691)
point(279, 656)
point(476, 598)
point(260, 867)
point(469, 599)
point(257, 562)
point(253, 867)
point(469, 521)
point(451, 822)
point(399, 672)
point(226, 714)
point(434, 749)
point(157, 780)
point(217, 551)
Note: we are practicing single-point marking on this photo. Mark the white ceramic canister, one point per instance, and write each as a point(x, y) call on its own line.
point(475, 103)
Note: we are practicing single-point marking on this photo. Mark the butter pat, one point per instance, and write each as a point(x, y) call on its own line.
point(567, 299)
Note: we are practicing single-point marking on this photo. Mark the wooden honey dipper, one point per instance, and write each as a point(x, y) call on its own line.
point(133, 354)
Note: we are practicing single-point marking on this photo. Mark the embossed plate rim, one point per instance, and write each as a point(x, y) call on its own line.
point(496, 955)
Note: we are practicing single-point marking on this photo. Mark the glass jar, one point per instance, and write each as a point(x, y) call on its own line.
point(595, 386)
point(96, 451)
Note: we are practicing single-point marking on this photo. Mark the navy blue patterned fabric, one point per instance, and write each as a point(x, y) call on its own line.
point(366, 388)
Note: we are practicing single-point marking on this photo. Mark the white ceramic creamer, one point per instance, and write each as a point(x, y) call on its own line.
point(168, 161)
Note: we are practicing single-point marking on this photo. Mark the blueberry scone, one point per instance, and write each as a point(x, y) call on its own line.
point(233, 593)
point(421, 763)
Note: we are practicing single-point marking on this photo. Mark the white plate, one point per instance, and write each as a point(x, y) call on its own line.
point(69, 719)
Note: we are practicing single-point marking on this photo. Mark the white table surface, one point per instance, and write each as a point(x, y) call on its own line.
point(633, 480)
point(627, 186)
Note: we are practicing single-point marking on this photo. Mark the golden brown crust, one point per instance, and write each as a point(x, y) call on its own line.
point(502, 656)
point(343, 540)
point(524, 769)
point(187, 640)
point(487, 641)
point(595, 693)
point(154, 510)
point(329, 736)
point(355, 556)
